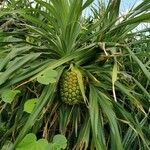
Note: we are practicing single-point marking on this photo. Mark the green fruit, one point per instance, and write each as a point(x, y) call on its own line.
point(69, 88)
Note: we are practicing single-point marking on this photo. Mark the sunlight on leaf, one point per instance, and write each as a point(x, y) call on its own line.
point(60, 141)
point(42, 144)
point(9, 95)
point(47, 77)
point(30, 143)
point(29, 105)
point(27, 143)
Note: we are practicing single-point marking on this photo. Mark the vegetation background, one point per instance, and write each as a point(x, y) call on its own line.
point(106, 102)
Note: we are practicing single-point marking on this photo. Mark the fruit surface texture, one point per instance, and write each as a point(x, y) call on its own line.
point(69, 88)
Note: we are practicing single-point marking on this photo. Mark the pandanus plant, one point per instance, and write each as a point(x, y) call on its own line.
point(83, 73)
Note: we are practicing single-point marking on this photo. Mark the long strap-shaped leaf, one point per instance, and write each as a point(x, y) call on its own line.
point(97, 130)
point(107, 108)
point(84, 135)
point(142, 66)
point(25, 59)
point(13, 53)
point(132, 123)
point(113, 6)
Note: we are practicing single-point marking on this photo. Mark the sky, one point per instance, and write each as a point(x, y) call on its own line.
point(125, 5)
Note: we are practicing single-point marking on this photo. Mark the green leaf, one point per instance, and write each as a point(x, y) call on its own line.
point(49, 76)
point(50, 146)
point(60, 141)
point(84, 134)
point(14, 52)
point(114, 73)
point(80, 81)
point(98, 139)
point(114, 78)
point(142, 66)
point(9, 95)
point(8, 145)
point(87, 3)
point(46, 96)
point(11, 39)
point(107, 109)
point(29, 105)
point(27, 143)
point(15, 67)
point(42, 144)
point(30, 143)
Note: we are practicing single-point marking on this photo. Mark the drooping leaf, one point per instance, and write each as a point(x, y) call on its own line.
point(97, 131)
point(138, 61)
point(107, 108)
point(4, 76)
point(114, 78)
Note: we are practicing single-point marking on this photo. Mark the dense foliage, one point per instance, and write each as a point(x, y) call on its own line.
point(41, 40)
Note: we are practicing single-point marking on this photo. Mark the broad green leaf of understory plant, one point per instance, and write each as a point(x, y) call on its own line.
point(59, 142)
point(27, 142)
point(46, 96)
point(29, 105)
point(30, 143)
point(9, 95)
point(49, 76)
